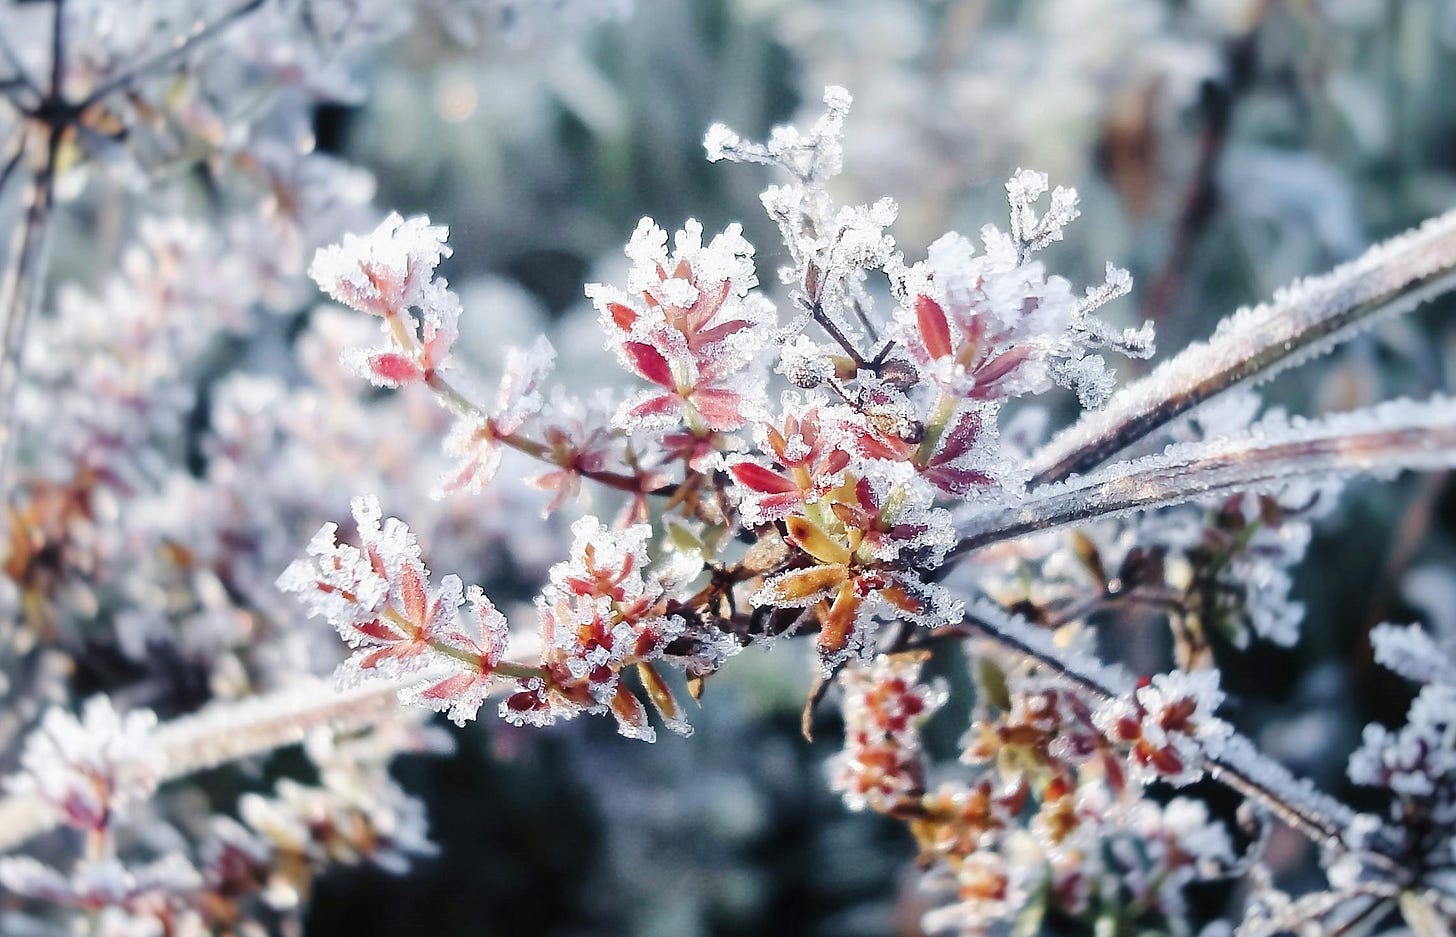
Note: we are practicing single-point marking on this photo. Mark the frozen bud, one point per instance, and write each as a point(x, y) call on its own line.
point(899, 374)
point(805, 364)
point(90, 769)
point(719, 141)
point(1419, 759)
point(386, 271)
point(837, 100)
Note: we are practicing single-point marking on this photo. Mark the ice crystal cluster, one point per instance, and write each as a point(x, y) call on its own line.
point(912, 454)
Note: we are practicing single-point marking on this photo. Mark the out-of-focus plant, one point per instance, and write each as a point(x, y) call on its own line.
point(161, 458)
point(858, 457)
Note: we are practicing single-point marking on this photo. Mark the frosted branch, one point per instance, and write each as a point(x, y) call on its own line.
point(230, 731)
point(1306, 319)
point(1296, 801)
point(1016, 634)
point(1379, 441)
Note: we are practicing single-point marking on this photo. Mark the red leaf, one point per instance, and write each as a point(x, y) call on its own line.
point(996, 368)
point(718, 332)
point(623, 316)
point(373, 659)
point(394, 368)
point(650, 364)
point(776, 506)
point(378, 631)
point(755, 476)
point(412, 594)
point(654, 405)
point(450, 687)
point(961, 438)
point(720, 407)
point(954, 480)
point(873, 445)
point(934, 329)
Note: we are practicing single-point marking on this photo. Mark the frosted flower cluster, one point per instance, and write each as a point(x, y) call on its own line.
point(171, 438)
point(388, 273)
point(1417, 761)
point(1170, 724)
point(842, 500)
point(884, 705)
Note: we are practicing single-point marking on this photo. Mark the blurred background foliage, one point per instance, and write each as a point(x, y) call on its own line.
point(1222, 148)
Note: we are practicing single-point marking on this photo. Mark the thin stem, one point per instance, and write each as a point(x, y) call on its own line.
point(1308, 318)
point(180, 48)
point(10, 164)
point(20, 294)
point(461, 405)
point(470, 659)
point(58, 50)
point(1201, 196)
point(817, 313)
point(454, 400)
point(865, 323)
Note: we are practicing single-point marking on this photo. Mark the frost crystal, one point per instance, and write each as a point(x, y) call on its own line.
point(1411, 652)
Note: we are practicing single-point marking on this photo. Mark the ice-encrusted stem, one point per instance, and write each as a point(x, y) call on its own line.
point(229, 731)
point(1305, 319)
point(1382, 440)
point(1295, 801)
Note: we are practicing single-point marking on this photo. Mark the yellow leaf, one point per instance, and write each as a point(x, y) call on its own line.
point(801, 584)
point(811, 538)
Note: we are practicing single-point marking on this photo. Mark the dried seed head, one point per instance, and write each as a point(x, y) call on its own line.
point(899, 374)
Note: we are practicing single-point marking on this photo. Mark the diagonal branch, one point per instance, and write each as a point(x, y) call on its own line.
point(20, 293)
point(22, 77)
point(230, 731)
point(1306, 319)
point(179, 49)
point(1382, 441)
